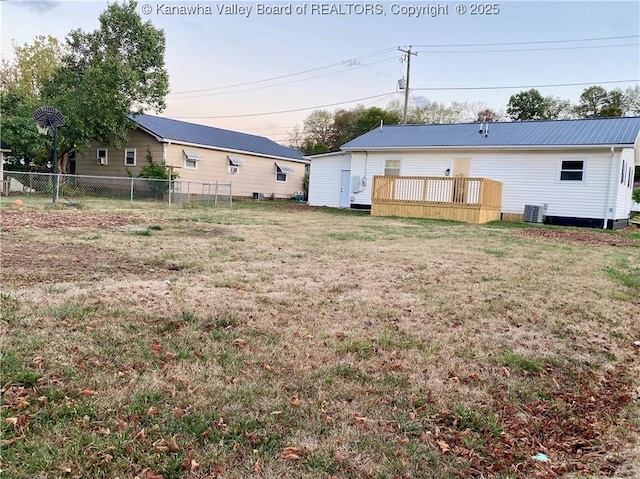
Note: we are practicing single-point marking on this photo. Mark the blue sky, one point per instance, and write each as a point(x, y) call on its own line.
point(212, 52)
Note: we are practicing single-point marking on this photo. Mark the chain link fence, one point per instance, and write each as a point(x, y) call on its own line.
point(83, 189)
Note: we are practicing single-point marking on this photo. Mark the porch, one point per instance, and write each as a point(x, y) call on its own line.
point(470, 200)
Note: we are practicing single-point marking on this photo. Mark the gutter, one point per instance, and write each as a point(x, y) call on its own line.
point(486, 147)
point(608, 198)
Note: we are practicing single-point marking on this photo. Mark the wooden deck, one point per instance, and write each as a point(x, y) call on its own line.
point(471, 200)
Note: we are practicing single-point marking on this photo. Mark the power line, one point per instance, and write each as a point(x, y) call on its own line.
point(362, 57)
point(448, 52)
point(525, 43)
point(524, 86)
point(284, 83)
point(288, 111)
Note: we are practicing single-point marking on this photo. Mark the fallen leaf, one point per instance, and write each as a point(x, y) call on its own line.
point(359, 419)
point(239, 343)
point(267, 366)
point(153, 411)
point(8, 442)
point(444, 447)
point(295, 401)
point(153, 475)
point(173, 446)
point(88, 392)
point(156, 348)
point(505, 371)
point(140, 435)
point(292, 453)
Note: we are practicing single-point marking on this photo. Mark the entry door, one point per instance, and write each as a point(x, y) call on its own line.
point(345, 192)
point(461, 168)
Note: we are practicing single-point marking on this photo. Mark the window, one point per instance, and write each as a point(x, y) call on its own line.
point(130, 157)
point(392, 168)
point(282, 171)
point(622, 172)
point(102, 156)
point(234, 165)
point(191, 159)
point(572, 170)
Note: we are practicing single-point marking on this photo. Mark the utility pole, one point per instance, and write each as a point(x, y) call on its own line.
point(408, 54)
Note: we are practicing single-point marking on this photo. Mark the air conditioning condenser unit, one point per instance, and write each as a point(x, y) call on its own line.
point(534, 214)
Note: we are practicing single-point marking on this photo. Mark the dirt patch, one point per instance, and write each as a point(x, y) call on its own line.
point(585, 237)
point(11, 220)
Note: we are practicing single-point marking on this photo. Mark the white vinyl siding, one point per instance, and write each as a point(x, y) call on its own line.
point(325, 177)
point(623, 200)
point(528, 177)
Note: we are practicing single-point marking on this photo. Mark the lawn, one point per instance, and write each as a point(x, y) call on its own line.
point(273, 340)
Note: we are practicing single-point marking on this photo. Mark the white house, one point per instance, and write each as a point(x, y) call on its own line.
point(580, 171)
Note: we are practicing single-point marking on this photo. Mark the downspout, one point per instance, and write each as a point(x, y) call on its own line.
point(608, 201)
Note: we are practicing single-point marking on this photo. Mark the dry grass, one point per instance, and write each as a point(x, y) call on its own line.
point(293, 342)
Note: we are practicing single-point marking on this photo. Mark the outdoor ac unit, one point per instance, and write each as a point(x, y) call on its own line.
point(102, 161)
point(534, 214)
point(233, 169)
point(258, 196)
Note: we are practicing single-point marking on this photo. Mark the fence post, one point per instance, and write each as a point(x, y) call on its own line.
point(215, 198)
point(131, 200)
point(230, 195)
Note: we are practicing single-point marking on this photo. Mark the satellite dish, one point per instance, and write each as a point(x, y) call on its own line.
point(48, 116)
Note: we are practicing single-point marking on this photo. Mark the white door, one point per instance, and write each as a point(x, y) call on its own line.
point(345, 193)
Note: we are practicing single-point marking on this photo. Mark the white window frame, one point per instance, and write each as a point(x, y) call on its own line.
point(234, 164)
point(283, 172)
point(126, 151)
point(561, 170)
point(191, 160)
point(387, 168)
point(105, 158)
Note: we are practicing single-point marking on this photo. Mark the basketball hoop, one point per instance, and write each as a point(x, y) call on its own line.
point(48, 117)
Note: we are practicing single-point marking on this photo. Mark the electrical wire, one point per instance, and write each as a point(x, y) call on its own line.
point(355, 59)
point(285, 83)
point(448, 52)
point(525, 43)
point(288, 111)
point(522, 86)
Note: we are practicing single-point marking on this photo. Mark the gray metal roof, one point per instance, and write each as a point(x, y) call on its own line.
point(208, 136)
point(584, 132)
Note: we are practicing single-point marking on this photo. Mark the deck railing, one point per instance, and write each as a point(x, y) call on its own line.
point(438, 190)
point(400, 195)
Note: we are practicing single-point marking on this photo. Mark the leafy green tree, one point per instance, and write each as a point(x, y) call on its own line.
point(632, 101)
point(21, 83)
point(99, 79)
point(157, 171)
point(596, 101)
point(528, 105)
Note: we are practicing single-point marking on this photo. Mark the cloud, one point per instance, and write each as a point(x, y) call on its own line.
point(38, 6)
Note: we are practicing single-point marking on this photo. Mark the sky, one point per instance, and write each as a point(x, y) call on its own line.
point(263, 67)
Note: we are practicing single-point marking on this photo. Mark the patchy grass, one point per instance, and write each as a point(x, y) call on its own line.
point(268, 341)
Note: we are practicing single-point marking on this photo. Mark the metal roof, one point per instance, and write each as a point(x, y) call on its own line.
point(211, 137)
point(584, 132)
